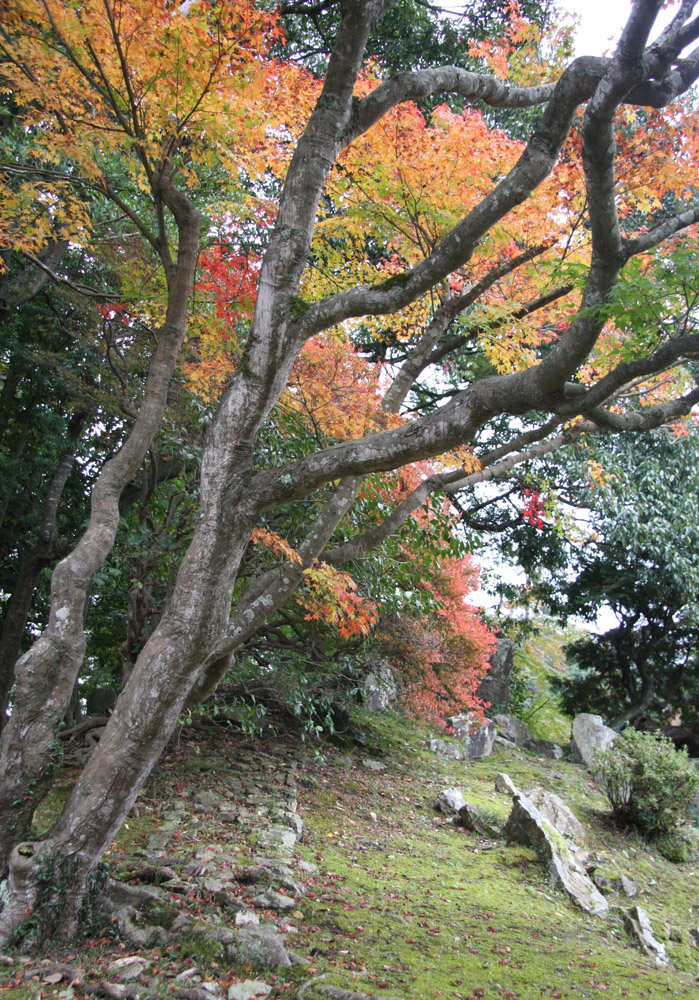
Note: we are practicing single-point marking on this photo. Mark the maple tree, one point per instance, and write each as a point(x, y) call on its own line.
point(488, 286)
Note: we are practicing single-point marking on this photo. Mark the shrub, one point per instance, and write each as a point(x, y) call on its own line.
point(649, 783)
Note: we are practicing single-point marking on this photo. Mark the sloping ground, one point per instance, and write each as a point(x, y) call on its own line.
point(404, 904)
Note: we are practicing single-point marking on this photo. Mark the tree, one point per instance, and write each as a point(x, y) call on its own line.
point(641, 562)
point(179, 101)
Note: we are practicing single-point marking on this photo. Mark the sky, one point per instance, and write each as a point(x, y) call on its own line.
point(600, 21)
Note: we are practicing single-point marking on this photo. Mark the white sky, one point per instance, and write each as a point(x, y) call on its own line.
point(601, 22)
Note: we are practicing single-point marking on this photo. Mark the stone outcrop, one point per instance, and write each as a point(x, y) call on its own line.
point(557, 813)
point(589, 735)
point(471, 818)
point(513, 729)
point(379, 686)
point(528, 827)
point(495, 686)
point(449, 801)
point(639, 927)
point(476, 738)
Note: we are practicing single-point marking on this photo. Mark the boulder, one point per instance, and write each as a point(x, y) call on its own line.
point(449, 801)
point(589, 735)
point(248, 989)
point(557, 813)
point(637, 923)
point(512, 729)
point(379, 686)
point(471, 818)
point(505, 785)
point(261, 944)
point(278, 839)
point(495, 686)
point(101, 701)
point(446, 749)
point(476, 738)
point(545, 748)
point(527, 826)
point(271, 900)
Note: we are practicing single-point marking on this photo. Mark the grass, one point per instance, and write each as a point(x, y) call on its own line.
point(405, 904)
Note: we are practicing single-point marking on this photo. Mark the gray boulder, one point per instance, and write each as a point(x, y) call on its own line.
point(248, 989)
point(638, 925)
point(557, 813)
point(379, 686)
point(476, 738)
point(446, 749)
point(471, 818)
point(527, 826)
point(449, 801)
point(505, 785)
point(589, 735)
point(262, 945)
point(545, 748)
point(495, 686)
point(512, 729)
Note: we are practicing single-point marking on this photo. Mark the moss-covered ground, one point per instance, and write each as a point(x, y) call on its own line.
point(406, 904)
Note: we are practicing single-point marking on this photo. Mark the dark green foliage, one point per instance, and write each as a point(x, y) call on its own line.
point(649, 784)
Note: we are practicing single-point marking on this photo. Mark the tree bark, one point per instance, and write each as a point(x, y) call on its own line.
point(46, 674)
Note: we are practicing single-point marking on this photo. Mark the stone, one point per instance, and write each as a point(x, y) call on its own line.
point(638, 924)
point(589, 735)
point(271, 900)
point(694, 936)
point(527, 826)
point(512, 729)
point(101, 701)
point(248, 989)
point(476, 739)
point(446, 749)
point(207, 799)
point(156, 843)
point(279, 839)
point(128, 969)
point(628, 887)
point(308, 867)
point(449, 801)
point(262, 944)
point(379, 686)
point(557, 813)
point(471, 818)
point(545, 748)
point(505, 785)
point(374, 765)
point(244, 917)
point(495, 686)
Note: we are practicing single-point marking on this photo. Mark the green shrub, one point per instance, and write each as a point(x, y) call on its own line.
point(649, 784)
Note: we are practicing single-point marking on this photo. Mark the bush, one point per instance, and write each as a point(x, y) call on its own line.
point(649, 784)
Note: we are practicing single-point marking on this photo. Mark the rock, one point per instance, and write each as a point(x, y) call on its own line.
point(557, 813)
point(476, 739)
point(495, 686)
point(527, 826)
point(694, 936)
point(505, 785)
point(279, 839)
point(545, 748)
point(271, 900)
point(471, 818)
point(374, 765)
point(379, 686)
point(262, 944)
point(449, 801)
point(156, 843)
point(308, 867)
point(446, 749)
point(589, 735)
point(128, 969)
point(248, 989)
point(208, 800)
point(244, 917)
point(628, 887)
point(638, 925)
point(512, 729)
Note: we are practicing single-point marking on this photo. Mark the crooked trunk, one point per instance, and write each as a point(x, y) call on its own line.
point(46, 674)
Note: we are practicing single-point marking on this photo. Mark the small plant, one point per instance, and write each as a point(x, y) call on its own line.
point(649, 783)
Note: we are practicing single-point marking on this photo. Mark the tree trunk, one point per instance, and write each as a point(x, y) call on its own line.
point(46, 674)
point(46, 548)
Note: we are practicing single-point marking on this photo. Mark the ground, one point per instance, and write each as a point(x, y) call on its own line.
point(404, 904)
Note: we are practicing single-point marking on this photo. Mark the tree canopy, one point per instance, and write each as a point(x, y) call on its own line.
point(370, 290)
